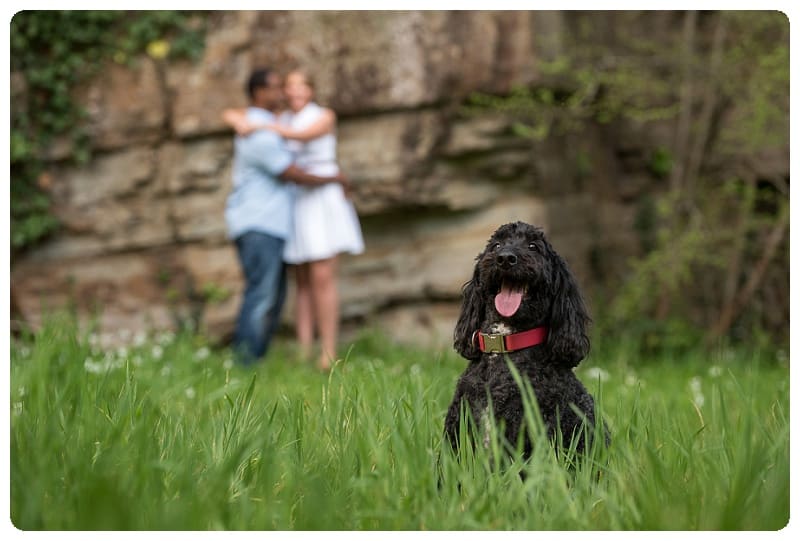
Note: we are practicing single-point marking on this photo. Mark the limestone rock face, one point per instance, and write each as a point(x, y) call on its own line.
point(143, 233)
point(127, 106)
point(370, 61)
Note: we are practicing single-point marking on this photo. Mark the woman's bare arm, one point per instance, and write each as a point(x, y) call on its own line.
point(324, 124)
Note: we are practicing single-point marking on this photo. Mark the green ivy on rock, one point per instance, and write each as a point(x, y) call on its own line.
point(52, 52)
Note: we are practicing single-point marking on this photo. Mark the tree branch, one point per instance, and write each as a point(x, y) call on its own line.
point(732, 310)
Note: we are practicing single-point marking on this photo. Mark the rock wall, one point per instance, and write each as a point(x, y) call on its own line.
point(143, 235)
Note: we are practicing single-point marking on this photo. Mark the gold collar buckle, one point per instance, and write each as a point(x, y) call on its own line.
point(494, 343)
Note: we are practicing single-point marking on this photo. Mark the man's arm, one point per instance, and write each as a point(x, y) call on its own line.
point(298, 176)
point(265, 150)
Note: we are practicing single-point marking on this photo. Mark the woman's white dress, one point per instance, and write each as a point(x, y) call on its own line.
point(325, 221)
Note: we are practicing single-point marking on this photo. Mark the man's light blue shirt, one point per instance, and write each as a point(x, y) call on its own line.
point(260, 201)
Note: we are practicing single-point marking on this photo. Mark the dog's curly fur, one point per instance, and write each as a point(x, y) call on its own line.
point(551, 299)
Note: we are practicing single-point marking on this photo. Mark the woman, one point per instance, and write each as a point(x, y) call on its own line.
point(325, 221)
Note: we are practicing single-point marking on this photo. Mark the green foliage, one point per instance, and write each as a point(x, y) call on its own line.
point(676, 289)
point(582, 86)
point(30, 214)
point(215, 293)
point(756, 72)
point(52, 53)
point(661, 162)
point(583, 164)
point(168, 434)
point(706, 220)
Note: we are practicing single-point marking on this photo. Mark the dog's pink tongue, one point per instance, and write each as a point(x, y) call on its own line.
point(507, 301)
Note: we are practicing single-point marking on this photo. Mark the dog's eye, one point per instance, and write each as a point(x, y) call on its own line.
point(495, 246)
point(533, 246)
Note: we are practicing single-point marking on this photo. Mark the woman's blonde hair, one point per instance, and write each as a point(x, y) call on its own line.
point(305, 75)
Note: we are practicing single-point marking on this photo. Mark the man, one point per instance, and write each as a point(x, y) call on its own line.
point(258, 215)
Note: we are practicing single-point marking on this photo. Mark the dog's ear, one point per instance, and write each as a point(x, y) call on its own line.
point(569, 318)
point(470, 318)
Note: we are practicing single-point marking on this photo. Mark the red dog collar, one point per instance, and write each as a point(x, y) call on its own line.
point(506, 343)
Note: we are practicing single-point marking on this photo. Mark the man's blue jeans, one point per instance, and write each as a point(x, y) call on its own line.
point(261, 258)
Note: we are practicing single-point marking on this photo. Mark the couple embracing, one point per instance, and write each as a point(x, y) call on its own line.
point(288, 206)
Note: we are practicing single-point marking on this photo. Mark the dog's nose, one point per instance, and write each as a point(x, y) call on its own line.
point(506, 259)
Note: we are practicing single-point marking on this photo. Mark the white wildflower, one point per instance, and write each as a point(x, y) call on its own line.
point(228, 364)
point(166, 370)
point(695, 384)
point(17, 408)
point(201, 354)
point(94, 367)
point(415, 369)
point(631, 380)
point(190, 393)
point(139, 338)
point(715, 371)
point(22, 391)
point(122, 351)
point(597, 373)
point(137, 360)
point(106, 340)
point(166, 337)
point(157, 352)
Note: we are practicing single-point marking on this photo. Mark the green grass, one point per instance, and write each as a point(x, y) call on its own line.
point(168, 435)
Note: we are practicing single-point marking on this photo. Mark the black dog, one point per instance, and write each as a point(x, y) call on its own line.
point(523, 305)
